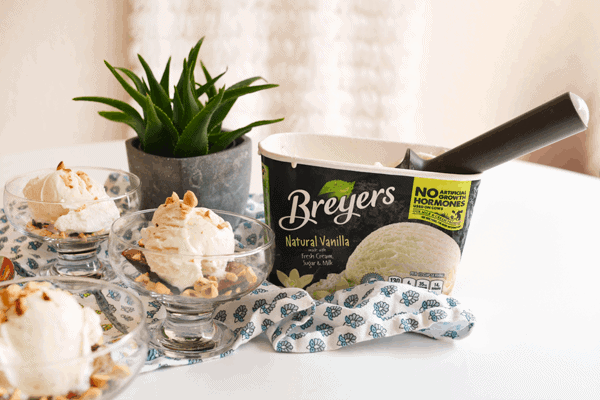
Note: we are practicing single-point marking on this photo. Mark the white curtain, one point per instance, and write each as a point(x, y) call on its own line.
point(346, 67)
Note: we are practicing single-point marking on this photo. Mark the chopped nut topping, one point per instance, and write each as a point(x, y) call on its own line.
point(16, 395)
point(120, 371)
point(20, 307)
point(143, 278)
point(61, 165)
point(84, 177)
point(91, 393)
point(230, 276)
point(99, 380)
point(190, 199)
point(45, 296)
point(173, 199)
point(80, 208)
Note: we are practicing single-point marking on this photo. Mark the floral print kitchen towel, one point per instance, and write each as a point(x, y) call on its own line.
point(292, 320)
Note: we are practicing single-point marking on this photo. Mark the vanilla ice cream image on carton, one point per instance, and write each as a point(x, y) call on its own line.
point(344, 215)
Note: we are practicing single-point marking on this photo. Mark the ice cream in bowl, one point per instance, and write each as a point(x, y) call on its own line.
point(190, 259)
point(69, 338)
point(72, 209)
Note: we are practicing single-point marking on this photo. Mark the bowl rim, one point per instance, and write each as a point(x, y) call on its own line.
point(239, 254)
point(47, 171)
point(105, 348)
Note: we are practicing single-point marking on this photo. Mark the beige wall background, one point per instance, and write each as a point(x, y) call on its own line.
point(483, 63)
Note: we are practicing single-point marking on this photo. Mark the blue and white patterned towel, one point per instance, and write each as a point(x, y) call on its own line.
point(289, 317)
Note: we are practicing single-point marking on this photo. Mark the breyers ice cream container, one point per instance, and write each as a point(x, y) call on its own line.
point(344, 215)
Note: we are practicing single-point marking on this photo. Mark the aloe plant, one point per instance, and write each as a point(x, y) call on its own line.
point(182, 125)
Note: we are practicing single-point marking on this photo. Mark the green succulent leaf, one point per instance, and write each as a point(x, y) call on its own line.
point(157, 93)
point(194, 138)
point(135, 119)
point(164, 80)
point(211, 91)
point(137, 96)
point(187, 97)
point(178, 113)
point(225, 107)
point(235, 93)
point(118, 116)
point(168, 128)
point(139, 83)
point(156, 141)
point(227, 137)
point(204, 88)
point(246, 82)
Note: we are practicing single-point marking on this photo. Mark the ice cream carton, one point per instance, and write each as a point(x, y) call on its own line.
point(344, 215)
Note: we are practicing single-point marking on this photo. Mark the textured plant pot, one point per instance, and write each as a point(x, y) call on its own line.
point(220, 181)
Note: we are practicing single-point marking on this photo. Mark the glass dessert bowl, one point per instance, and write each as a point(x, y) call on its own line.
point(69, 337)
point(187, 284)
point(71, 209)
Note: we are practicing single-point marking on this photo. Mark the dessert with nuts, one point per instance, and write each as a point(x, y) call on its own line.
point(47, 341)
point(69, 203)
point(180, 240)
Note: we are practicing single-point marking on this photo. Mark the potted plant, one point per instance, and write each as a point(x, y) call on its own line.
point(181, 144)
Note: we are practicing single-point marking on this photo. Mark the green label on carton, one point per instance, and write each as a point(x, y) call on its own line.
point(442, 203)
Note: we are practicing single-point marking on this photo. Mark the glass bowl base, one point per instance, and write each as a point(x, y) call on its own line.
point(90, 269)
point(204, 345)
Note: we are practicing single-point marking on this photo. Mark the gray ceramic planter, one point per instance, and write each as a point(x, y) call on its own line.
point(220, 181)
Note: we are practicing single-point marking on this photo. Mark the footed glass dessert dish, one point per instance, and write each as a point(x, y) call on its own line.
point(69, 337)
point(71, 209)
point(170, 275)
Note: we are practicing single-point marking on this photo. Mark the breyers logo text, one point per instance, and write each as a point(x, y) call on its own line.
point(304, 210)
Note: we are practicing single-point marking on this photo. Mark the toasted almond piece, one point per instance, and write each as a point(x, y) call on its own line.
point(10, 294)
point(99, 380)
point(213, 278)
point(251, 276)
point(61, 165)
point(230, 276)
point(20, 307)
point(120, 371)
point(103, 364)
point(91, 393)
point(190, 199)
point(190, 293)
point(144, 278)
point(161, 289)
point(141, 243)
point(173, 199)
point(16, 395)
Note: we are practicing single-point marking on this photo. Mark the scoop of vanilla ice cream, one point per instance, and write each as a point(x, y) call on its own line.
point(179, 226)
point(80, 211)
point(401, 248)
point(47, 326)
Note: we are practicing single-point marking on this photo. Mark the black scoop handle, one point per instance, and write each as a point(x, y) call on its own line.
point(555, 120)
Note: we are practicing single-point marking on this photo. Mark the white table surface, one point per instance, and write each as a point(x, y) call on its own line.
point(530, 273)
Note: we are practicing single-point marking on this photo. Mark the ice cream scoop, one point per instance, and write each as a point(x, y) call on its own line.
point(555, 120)
point(71, 200)
point(39, 327)
point(179, 227)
